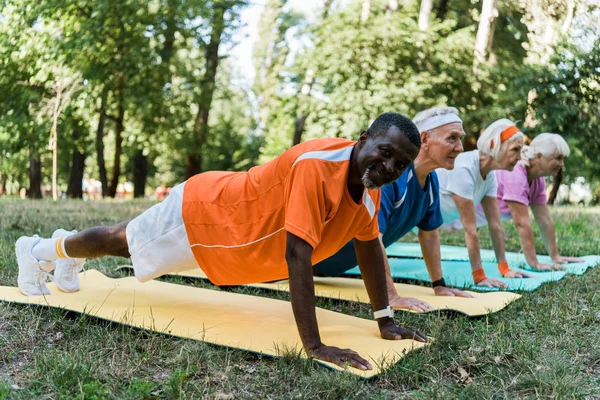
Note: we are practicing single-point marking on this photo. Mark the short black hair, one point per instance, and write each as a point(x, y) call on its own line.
point(384, 122)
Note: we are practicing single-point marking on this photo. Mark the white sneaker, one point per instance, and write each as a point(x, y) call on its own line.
point(66, 274)
point(32, 279)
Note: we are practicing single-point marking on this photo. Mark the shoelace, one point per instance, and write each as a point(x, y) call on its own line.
point(41, 277)
point(74, 263)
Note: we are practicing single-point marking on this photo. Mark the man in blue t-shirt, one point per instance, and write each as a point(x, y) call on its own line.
point(413, 201)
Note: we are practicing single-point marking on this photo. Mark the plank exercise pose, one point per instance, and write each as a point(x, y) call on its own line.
point(273, 222)
point(413, 201)
point(525, 187)
point(473, 182)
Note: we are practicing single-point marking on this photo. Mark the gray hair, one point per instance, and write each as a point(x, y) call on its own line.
point(546, 144)
point(489, 142)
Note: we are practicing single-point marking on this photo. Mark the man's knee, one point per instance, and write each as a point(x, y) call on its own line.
point(119, 233)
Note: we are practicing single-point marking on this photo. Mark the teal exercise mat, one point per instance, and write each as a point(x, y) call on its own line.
point(515, 260)
point(458, 274)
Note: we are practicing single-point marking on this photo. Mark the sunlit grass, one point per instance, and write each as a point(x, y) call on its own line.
point(544, 345)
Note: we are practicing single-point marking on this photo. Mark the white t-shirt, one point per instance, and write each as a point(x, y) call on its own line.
point(464, 180)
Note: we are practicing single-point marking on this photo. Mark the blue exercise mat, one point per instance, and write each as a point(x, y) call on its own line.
point(515, 260)
point(458, 274)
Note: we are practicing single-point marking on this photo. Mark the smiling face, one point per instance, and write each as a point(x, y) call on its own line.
point(383, 158)
point(443, 144)
point(510, 154)
point(550, 166)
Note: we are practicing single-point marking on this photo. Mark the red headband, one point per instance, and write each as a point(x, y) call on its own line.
point(506, 134)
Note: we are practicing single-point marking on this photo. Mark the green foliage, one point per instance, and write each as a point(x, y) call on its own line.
point(526, 350)
point(150, 59)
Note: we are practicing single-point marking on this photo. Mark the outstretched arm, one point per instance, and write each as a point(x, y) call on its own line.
point(466, 208)
point(544, 221)
point(396, 301)
point(520, 214)
point(302, 295)
point(430, 247)
point(370, 257)
point(492, 215)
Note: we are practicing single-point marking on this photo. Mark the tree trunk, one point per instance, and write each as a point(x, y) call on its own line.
point(74, 189)
point(366, 10)
point(35, 176)
point(491, 56)
point(555, 187)
point(326, 9)
point(299, 129)
point(192, 165)
point(100, 147)
point(140, 173)
point(424, 14)
point(114, 182)
point(442, 9)
point(3, 181)
point(483, 32)
point(392, 7)
point(207, 89)
point(301, 113)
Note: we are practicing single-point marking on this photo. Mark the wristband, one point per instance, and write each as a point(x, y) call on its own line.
point(386, 312)
point(478, 275)
point(503, 267)
point(439, 282)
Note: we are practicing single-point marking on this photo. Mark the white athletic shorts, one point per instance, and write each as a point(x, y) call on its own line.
point(157, 239)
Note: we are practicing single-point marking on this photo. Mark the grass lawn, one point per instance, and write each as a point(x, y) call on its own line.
point(545, 345)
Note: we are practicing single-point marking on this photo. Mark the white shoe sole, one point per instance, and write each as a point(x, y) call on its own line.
point(23, 251)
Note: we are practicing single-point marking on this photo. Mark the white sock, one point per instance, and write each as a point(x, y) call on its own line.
point(50, 249)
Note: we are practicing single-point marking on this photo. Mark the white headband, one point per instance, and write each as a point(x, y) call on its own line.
point(437, 121)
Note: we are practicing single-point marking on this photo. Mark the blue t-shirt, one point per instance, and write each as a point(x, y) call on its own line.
point(404, 205)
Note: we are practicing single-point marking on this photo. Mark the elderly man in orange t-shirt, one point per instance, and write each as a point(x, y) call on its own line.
point(273, 222)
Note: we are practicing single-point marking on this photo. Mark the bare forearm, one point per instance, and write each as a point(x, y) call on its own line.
point(302, 296)
point(549, 236)
point(497, 235)
point(527, 243)
point(371, 262)
point(430, 247)
point(302, 291)
point(474, 249)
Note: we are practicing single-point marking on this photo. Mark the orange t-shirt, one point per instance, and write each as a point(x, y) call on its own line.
point(236, 222)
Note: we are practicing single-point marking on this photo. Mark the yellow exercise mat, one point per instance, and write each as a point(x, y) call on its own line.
point(252, 323)
point(354, 290)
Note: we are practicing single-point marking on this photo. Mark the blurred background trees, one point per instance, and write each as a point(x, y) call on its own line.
point(159, 100)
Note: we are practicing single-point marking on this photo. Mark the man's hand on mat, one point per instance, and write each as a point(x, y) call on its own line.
point(517, 274)
point(391, 331)
point(446, 291)
point(409, 303)
point(565, 260)
point(492, 283)
point(340, 357)
point(548, 267)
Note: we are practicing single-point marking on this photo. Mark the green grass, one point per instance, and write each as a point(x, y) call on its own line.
point(544, 345)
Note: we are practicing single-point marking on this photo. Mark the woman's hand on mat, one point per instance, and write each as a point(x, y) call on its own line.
point(390, 331)
point(565, 260)
point(548, 267)
point(492, 283)
point(517, 274)
point(446, 291)
point(409, 303)
point(340, 357)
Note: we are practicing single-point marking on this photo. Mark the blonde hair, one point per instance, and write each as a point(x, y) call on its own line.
point(489, 142)
point(547, 144)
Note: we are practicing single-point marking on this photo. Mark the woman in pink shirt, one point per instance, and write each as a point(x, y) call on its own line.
point(524, 187)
